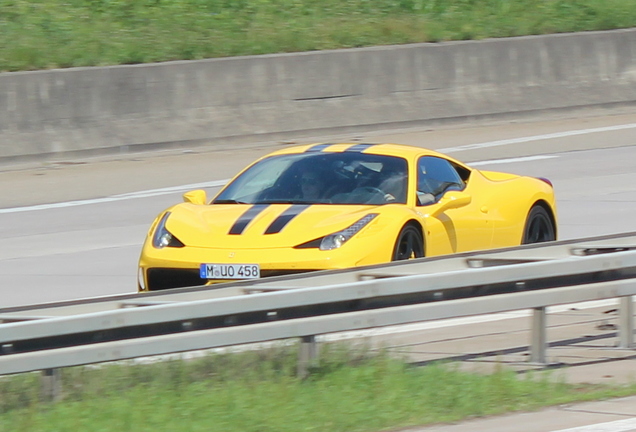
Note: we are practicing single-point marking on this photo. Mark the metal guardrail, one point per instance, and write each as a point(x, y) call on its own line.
point(45, 337)
point(434, 265)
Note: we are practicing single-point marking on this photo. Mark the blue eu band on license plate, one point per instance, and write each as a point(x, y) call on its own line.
point(230, 271)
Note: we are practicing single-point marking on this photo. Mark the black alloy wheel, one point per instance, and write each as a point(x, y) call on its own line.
point(409, 244)
point(538, 227)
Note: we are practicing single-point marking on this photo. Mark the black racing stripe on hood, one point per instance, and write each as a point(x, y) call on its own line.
point(318, 147)
point(246, 218)
point(359, 147)
point(285, 217)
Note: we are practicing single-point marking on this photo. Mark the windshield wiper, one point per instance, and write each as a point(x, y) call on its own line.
point(229, 201)
point(275, 201)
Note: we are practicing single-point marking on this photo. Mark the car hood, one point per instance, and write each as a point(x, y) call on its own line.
point(247, 226)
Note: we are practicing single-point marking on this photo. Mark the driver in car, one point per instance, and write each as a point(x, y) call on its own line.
point(310, 185)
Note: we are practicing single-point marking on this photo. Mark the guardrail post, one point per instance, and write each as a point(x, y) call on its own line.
point(307, 355)
point(539, 340)
point(51, 385)
point(626, 323)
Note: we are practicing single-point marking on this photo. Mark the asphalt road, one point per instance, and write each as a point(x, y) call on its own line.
point(74, 229)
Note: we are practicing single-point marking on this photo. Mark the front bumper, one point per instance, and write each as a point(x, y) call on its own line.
point(179, 267)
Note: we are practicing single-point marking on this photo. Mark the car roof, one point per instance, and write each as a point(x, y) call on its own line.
point(400, 150)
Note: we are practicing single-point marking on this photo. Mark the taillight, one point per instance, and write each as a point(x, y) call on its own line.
point(546, 180)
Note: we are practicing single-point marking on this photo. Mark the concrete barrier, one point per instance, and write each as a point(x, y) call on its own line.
point(120, 108)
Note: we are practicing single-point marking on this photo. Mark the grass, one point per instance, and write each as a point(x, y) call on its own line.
point(349, 390)
point(41, 34)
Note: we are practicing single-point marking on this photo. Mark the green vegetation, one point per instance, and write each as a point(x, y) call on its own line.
point(258, 392)
point(41, 34)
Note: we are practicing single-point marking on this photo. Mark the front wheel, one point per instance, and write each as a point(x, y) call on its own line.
point(409, 244)
point(538, 227)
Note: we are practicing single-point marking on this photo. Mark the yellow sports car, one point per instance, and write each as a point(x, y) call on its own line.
point(333, 206)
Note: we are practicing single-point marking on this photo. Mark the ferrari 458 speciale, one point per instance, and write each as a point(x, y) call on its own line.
point(334, 206)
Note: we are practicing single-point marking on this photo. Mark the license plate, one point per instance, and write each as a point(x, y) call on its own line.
point(230, 271)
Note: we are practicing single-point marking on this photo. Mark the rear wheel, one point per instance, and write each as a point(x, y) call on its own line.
point(409, 244)
point(539, 227)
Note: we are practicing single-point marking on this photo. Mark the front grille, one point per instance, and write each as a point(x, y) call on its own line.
point(166, 278)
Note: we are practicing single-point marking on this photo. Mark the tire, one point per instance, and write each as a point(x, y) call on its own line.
point(409, 244)
point(539, 227)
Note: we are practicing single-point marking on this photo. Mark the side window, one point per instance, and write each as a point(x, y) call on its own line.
point(435, 176)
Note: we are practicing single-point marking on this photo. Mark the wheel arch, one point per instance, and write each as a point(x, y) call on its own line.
point(418, 225)
point(548, 208)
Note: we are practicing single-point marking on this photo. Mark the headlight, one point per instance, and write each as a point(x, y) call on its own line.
point(336, 240)
point(163, 238)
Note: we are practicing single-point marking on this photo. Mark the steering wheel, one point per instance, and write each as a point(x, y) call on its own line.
point(372, 192)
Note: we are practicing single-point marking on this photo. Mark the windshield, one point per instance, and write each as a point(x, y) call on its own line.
point(327, 178)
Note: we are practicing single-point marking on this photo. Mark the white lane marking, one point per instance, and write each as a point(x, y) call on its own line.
point(121, 197)
point(182, 188)
point(155, 192)
point(613, 426)
point(511, 160)
point(536, 138)
point(172, 189)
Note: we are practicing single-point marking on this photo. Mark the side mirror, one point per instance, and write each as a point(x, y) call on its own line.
point(452, 200)
point(195, 197)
